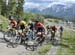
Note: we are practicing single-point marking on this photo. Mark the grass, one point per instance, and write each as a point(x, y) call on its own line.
point(4, 22)
point(67, 46)
point(44, 49)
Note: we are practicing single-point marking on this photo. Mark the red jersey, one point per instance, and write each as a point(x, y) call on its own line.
point(13, 22)
point(39, 24)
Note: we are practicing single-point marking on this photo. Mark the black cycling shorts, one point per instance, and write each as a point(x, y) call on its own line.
point(40, 29)
point(22, 27)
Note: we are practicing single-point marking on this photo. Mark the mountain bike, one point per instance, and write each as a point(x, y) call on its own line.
point(10, 37)
point(31, 43)
point(40, 38)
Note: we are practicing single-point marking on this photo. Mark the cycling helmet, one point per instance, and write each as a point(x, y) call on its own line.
point(11, 18)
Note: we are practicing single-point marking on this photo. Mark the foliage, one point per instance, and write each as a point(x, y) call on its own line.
point(4, 23)
point(60, 18)
point(14, 8)
point(19, 8)
point(56, 21)
point(67, 46)
point(50, 20)
point(33, 17)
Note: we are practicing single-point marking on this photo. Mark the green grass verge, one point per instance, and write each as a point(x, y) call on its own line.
point(44, 49)
point(4, 22)
point(67, 46)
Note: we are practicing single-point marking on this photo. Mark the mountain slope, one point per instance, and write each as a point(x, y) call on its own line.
point(61, 11)
point(56, 9)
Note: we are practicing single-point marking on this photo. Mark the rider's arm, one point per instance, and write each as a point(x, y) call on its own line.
point(44, 28)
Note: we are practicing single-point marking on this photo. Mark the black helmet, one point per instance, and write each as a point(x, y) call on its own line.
point(11, 17)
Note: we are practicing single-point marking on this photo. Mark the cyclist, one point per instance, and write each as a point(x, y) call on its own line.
point(40, 30)
point(53, 31)
point(31, 25)
point(12, 27)
point(22, 24)
point(13, 22)
point(61, 31)
point(40, 27)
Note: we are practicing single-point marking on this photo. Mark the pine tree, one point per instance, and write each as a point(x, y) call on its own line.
point(13, 7)
point(19, 10)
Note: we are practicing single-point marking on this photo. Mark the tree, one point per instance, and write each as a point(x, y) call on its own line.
point(3, 7)
point(19, 10)
point(14, 7)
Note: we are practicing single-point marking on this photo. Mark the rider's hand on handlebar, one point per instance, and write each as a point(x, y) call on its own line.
point(34, 30)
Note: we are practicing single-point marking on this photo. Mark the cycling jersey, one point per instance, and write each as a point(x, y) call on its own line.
point(31, 26)
point(22, 24)
point(39, 27)
point(39, 24)
point(14, 23)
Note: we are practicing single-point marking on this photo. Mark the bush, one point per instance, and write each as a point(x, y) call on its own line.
point(56, 21)
point(50, 20)
point(4, 22)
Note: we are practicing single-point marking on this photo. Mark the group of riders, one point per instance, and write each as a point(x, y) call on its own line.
point(36, 26)
point(22, 25)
